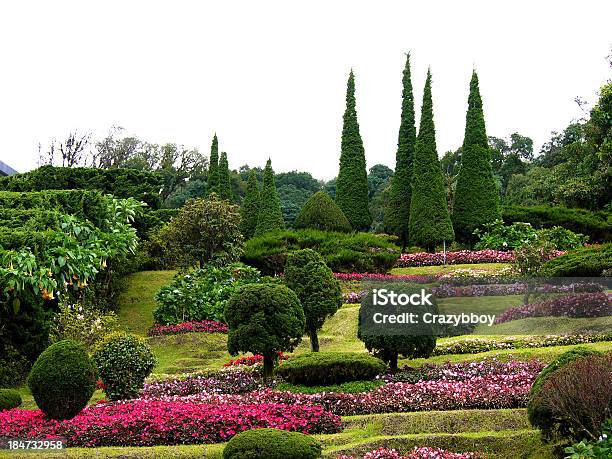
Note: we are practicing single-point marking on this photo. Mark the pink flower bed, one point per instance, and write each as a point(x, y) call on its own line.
point(252, 360)
point(416, 453)
point(385, 277)
point(454, 258)
point(156, 422)
point(205, 326)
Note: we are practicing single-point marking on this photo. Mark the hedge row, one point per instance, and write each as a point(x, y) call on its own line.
point(583, 262)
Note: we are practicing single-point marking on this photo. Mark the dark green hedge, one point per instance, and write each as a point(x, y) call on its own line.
point(324, 368)
point(272, 444)
point(583, 262)
point(9, 398)
point(33, 219)
point(596, 225)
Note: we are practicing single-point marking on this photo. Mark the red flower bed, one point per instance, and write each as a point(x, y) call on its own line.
point(385, 277)
point(417, 453)
point(252, 360)
point(454, 258)
point(155, 422)
point(206, 326)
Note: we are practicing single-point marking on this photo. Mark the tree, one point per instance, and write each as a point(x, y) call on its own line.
point(213, 166)
point(250, 207)
point(477, 196)
point(397, 212)
point(321, 212)
point(225, 185)
point(352, 183)
point(270, 213)
point(264, 319)
point(205, 231)
point(315, 285)
point(429, 218)
point(72, 152)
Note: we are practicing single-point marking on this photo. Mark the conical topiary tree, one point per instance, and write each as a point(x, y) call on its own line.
point(270, 214)
point(321, 212)
point(429, 219)
point(352, 182)
point(476, 196)
point(250, 206)
point(397, 211)
point(213, 167)
point(225, 184)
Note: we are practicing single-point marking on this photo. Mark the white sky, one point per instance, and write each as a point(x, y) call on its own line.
point(270, 76)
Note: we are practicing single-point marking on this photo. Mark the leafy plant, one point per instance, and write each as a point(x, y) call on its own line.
point(596, 449)
point(498, 236)
point(82, 324)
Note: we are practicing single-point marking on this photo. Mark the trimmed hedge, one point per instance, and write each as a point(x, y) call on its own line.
point(583, 262)
point(342, 252)
point(321, 212)
point(9, 399)
point(596, 225)
point(325, 368)
point(272, 444)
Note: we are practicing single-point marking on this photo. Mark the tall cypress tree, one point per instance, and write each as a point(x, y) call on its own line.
point(397, 210)
point(213, 167)
point(250, 206)
point(270, 214)
point(476, 196)
point(430, 222)
point(352, 183)
point(225, 184)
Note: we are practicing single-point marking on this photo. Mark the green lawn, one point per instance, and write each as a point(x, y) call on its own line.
point(449, 269)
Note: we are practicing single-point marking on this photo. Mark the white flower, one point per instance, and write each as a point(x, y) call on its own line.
point(80, 316)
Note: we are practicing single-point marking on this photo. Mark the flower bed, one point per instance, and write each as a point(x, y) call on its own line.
point(423, 452)
point(233, 381)
point(385, 277)
point(157, 422)
point(252, 360)
point(577, 305)
point(454, 258)
point(205, 326)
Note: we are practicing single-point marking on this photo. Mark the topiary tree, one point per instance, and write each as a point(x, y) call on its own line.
point(213, 167)
point(476, 196)
point(204, 231)
point(352, 182)
point(272, 444)
point(397, 210)
point(321, 212)
point(249, 212)
point(225, 184)
point(264, 319)
point(429, 218)
point(62, 380)
point(123, 361)
point(270, 214)
point(315, 285)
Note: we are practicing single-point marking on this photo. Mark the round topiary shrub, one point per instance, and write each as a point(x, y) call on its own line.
point(123, 361)
point(325, 368)
point(9, 399)
point(272, 444)
point(321, 212)
point(62, 380)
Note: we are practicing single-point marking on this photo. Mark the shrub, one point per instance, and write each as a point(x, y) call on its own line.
point(201, 294)
point(62, 380)
point(324, 368)
point(562, 239)
point(321, 212)
point(84, 325)
point(123, 362)
point(272, 444)
point(9, 399)
point(584, 262)
point(596, 449)
point(451, 258)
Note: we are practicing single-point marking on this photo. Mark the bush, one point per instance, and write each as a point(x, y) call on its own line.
point(355, 252)
point(201, 294)
point(272, 444)
point(85, 325)
point(325, 368)
point(584, 262)
point(596, 449)
point(123, 362)
point(9, 399)
point(321, 212)
point(62, 380)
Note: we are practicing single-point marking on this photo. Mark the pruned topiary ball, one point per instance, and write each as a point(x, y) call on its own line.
point(272, 444)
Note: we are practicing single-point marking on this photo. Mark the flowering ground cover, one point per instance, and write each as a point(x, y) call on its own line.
point(234, 381)
point(454, 258)
point(417, 453)
point(251, 360)
point(205, 326)
point(385, 277)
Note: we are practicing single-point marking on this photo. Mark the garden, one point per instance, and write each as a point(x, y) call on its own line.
point(158, 313)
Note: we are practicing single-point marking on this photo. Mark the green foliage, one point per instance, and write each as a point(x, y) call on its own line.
point(356, 252)
point(324, 368)
point(600, 448)
point(476, 197)
point(292, 199)
point(270, 214)
point(62, 380)
point(531, 256)
point(82, 324)
point(9, 399)
point(497, 236)
point(583, 262)
point(561, 238)
point(225, 185)
point(201, 294)
point(249, 212)
point(14, 365)
point(397, 211)
point(352, 182)
point(321, 212)
point(272, 444)
point(315, 285)
point(123, 362)
point(264, 319)
point(350, 387)
point(213, 167)
point(429, 221)
point(204, 231)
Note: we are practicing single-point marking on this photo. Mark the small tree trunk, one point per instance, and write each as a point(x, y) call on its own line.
point(527, 292)
point(314, 341)
point(393, 362)
point(268, 367)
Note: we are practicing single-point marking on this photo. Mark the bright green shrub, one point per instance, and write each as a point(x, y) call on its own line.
point(62, 380)
point(324, 368)
point(583, 262)
point(9, 399)
point(85, 325)
point(270, 216)
point(123, 362)
point(498, 236)
point(272, 444)
point(321, 212)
